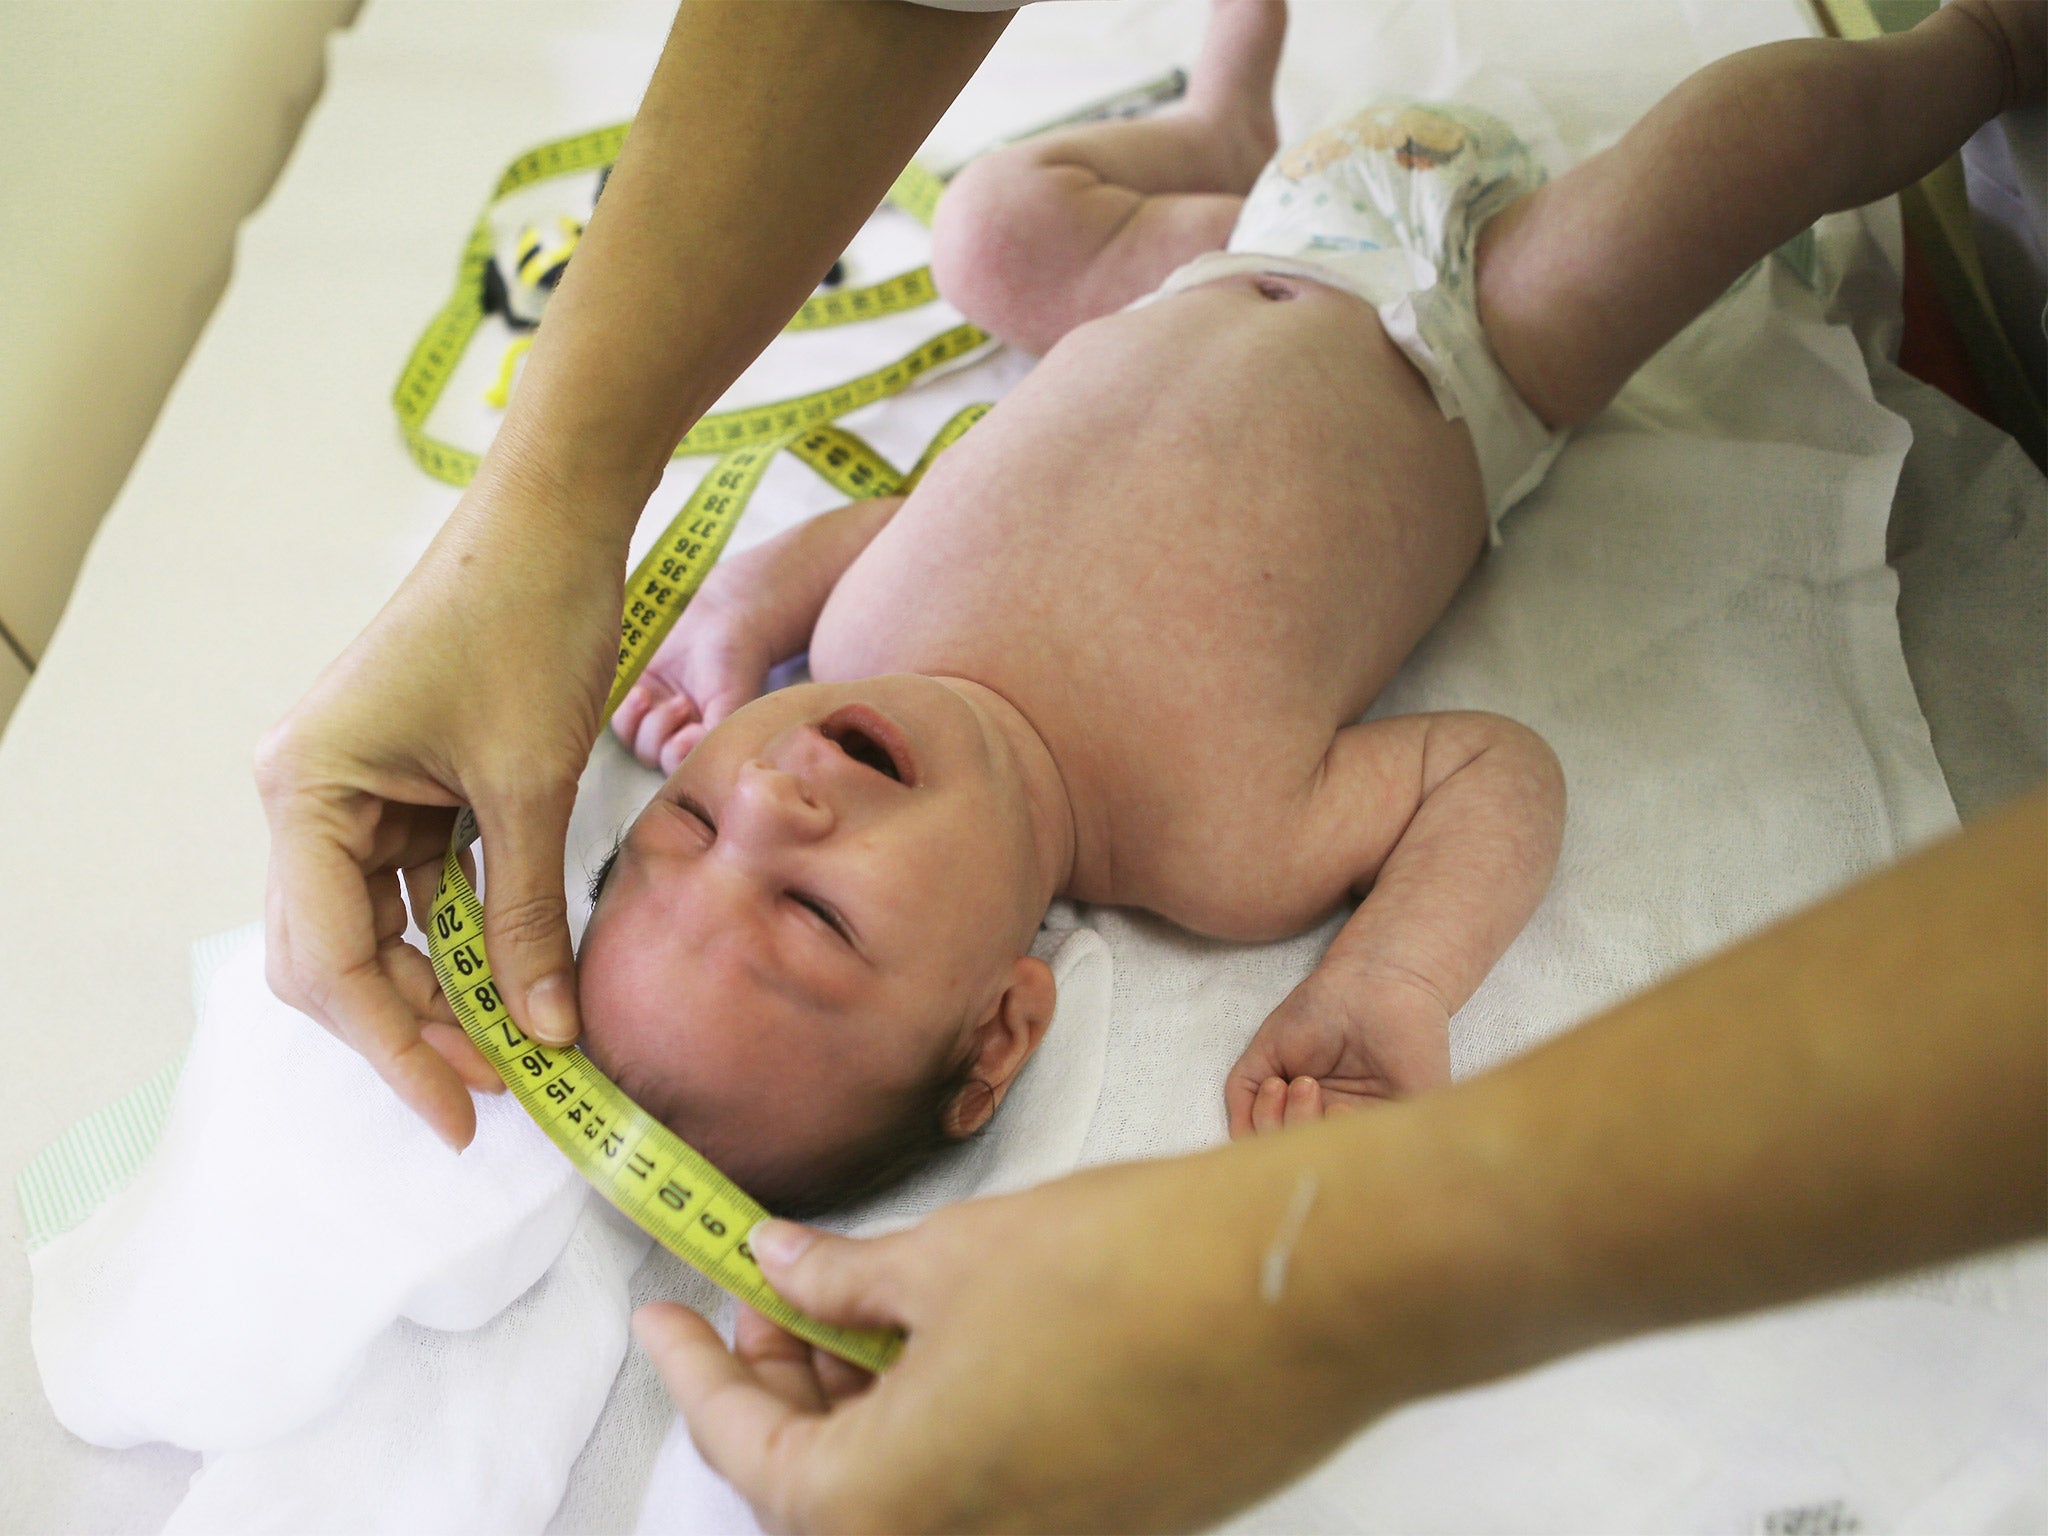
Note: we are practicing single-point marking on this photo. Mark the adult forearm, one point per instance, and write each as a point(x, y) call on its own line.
point(1859, 1090)
point(767, 136)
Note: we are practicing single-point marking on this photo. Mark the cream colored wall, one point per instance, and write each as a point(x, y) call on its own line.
point(134, 135)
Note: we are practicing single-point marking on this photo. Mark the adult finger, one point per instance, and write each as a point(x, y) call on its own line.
point(843, 1280)
point(526, 918)
point(322, 958)
point(421, 987)
point(783, 1362)
point(737, 1423)
point(423, 882)
point(813, 1377)
point(839, 1379)
point(460, 1052)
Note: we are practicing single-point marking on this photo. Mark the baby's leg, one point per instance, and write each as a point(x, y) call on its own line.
point(1582, 280)
point(1036, 238)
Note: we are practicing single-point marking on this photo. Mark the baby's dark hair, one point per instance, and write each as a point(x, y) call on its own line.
point(911, 1135)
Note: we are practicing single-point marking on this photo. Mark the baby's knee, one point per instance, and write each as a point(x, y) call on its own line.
point(979, 252)
point(1012, 236)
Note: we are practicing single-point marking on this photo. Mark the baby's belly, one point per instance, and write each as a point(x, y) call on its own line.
point(1210, 530)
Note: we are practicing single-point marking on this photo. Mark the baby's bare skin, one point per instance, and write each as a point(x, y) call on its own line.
point(1187, 552)
point(1137, 609)
point(1191, 548)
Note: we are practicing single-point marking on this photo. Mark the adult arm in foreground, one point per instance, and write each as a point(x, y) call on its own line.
point(1859, 1090)
point(768, 135)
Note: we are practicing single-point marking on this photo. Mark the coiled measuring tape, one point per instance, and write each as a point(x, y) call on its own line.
point(448, 334)
point(636, 1162)
point(915, 192)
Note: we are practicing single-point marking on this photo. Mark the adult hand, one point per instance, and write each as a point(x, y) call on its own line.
point(480, 683)
point(1118, 1350)
point(1155, 1344)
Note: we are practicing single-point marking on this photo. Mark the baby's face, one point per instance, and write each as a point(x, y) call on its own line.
point(821, 900)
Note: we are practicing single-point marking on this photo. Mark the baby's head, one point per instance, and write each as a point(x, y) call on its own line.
point(810, 956)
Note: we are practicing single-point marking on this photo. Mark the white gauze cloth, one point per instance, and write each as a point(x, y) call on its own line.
point(365, 1331)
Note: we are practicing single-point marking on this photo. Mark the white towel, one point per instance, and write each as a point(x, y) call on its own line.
point(365, 1331)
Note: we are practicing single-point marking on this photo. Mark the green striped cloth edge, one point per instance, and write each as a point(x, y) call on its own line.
point(76, 1174)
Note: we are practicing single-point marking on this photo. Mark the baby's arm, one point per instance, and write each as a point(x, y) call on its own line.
point(755, 609)
point(1034, 239)
point(1583, 279)
point(1452, 823)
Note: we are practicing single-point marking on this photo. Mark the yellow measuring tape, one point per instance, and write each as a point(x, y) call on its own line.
point(635, 1161)
point(438, 351)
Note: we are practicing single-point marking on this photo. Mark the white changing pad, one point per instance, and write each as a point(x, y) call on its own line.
point(276, 458)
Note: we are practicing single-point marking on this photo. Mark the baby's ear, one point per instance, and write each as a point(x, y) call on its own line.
point(1002, 1042)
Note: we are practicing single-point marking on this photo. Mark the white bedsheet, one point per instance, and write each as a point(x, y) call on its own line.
point(274, 508)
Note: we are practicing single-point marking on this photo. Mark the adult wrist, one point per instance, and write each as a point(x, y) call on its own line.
point(1415, 1275)
point(562, 502)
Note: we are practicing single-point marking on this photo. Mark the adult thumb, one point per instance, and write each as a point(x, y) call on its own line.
point(846, 1281)
point(526, 918)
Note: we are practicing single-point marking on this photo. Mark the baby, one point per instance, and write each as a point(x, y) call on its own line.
point(1116, 644)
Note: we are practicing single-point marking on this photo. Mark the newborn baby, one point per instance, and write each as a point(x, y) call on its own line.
point(1116, 645)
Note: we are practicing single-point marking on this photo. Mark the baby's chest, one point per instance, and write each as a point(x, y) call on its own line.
point(1133, 591)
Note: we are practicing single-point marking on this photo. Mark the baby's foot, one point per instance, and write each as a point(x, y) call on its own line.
point(1232, 82)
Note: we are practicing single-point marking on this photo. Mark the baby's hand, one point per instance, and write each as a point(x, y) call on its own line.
point(713, 661)
point(1335, 1044)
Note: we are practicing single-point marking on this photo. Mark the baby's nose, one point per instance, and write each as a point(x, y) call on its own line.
point(782, 802)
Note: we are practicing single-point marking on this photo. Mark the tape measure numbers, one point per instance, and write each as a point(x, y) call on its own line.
point(635, 1161)
point(915, 192)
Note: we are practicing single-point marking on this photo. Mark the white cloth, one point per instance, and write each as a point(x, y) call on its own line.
point(364, 1331)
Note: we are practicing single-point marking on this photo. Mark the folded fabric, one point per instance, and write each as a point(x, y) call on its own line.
point(294, 1209)
point(366, 1331)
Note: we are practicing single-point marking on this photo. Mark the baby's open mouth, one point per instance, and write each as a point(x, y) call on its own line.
point(871, 739)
